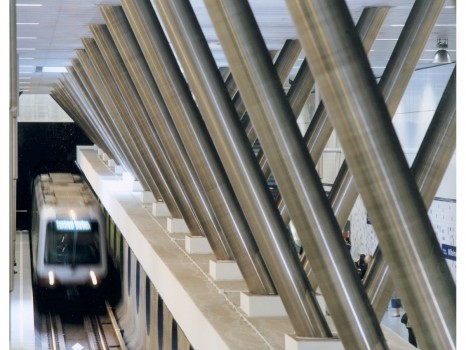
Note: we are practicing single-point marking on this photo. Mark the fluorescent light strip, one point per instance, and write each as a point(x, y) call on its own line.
point(24, 78)
point(378, 67)
point(31, 23)
point(445, 25)
point(26, 38)
point(438, 49)
point(387, 39)
point(25, 49)
point(24, 66)
point(24, 82)
point(26, 58)
point(28, 5)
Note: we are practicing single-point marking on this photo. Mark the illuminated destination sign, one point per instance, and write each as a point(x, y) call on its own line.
point(71, 225)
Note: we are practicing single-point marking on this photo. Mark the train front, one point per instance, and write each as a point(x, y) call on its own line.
point(74, 249)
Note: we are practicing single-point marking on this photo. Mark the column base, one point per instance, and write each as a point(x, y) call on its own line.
point(262, 305)
point(224, 270)
point(177, 226)
point(292, 342)
point(197, 245)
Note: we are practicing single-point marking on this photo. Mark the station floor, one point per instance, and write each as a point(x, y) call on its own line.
point(22, 331)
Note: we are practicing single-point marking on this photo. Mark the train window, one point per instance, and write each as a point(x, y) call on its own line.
point(138, 280)
point(71, 242)
point(148, 304)
point(129, 270)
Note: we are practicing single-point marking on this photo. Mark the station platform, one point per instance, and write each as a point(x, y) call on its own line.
point(207, 310)
point(22, 331)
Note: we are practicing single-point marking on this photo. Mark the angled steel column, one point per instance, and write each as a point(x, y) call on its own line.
point(284, 64)
point(72, 86)
point(320, 129)
point(78, 84)
point(147, 143)
point(111, 114)
point(67, 104)
point(174, 90)
point(239, 160)
point(362, 122)
point(428, 168)
point(295, 173)
point(194, 194)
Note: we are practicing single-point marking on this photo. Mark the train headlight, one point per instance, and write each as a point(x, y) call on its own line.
point(51, 278)
point(93, 278)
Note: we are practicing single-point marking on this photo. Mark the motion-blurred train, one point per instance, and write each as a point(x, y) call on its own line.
point(67, 233)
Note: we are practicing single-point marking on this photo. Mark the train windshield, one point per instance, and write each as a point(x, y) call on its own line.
point(72, 242)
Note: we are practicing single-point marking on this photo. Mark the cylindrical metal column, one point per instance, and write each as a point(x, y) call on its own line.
point(428, 168)
point(284, 64)
point(195, 194)
point(295, 173)
point(362, 122)
point(92, 82)
point(163, 65)
point(237, 156)
point(75, 87)
point(148, 143)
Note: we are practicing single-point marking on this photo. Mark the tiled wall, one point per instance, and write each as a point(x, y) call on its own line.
point(441, 213)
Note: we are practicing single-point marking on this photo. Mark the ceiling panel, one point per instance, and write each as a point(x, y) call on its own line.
point(58, 26)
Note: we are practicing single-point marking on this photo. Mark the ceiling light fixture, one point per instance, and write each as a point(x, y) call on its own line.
point(442, 55)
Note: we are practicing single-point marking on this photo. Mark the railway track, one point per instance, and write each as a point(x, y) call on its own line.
point(63, 328)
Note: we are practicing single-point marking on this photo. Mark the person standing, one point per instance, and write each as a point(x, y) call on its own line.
point(411, 337)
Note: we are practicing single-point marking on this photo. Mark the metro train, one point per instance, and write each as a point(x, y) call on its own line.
point(67, 233)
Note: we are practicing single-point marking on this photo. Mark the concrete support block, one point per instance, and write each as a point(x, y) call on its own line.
point(197, 245)
point(262, 305)
point(177, 226)
point(105, 157)
point(118, 170)
point(100, 152)
point(160, 209)
point(145, 196)
point(131, 184)
point(224, 270)
point(293, 342)
point(111, 163)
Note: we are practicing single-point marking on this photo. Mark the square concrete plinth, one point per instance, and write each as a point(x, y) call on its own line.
point(293, 342)
point(197, 245)
point(160, 209)
point(262, 305)
point(145, 196)
point(224, 270)
point(177, 226)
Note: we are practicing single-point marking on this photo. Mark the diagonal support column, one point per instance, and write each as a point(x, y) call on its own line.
point(362, 122)
point(295, 173)
point(162, 64)
point(242, 168)
point(195, 195)
point(428, 168)
point(117, 110)
point(79, 85)
point(147, 142)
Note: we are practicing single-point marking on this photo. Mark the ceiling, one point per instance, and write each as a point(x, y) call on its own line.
point(48, 32)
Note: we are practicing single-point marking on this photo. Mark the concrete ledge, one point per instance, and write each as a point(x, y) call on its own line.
point(197, 245)
point(224, 270)
point(177, 226)
point(145, 196)
point(160, 209)
point(292, 342)
point(262, 305)
point(131, 184)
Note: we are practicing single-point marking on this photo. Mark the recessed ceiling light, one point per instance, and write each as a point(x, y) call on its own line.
point(54, 70)
point(387, 39)
point(26, 58)
point(28, 5)
point(28, 23)
point(397, 25)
